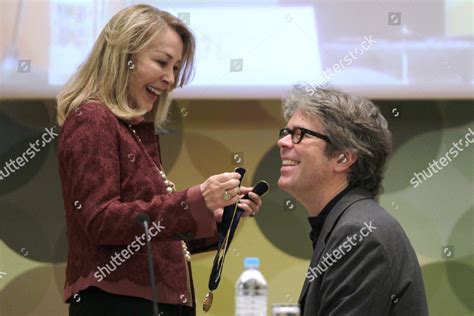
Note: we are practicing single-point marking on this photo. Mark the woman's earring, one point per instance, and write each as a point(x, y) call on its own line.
point(131, 65)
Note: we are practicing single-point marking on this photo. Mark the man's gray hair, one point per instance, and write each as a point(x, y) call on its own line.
point(352, 123)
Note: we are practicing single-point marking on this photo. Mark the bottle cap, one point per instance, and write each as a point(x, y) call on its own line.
point(251, 262)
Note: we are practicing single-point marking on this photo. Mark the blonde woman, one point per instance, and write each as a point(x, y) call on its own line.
point(110, 168)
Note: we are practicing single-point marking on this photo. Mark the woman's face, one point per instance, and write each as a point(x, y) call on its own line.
point(155, 68)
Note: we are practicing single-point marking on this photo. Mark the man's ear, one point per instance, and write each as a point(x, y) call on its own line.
point(344, 161)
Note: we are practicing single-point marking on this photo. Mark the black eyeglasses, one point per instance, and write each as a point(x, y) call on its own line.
point(298, 133)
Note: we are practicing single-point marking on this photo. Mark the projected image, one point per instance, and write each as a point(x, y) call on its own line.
point(229, 52)
point(69, 41)
point(257, 50)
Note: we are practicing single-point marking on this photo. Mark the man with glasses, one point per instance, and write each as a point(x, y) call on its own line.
point(333, 152)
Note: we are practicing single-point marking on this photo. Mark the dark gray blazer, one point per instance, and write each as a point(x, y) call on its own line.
point(363, 264)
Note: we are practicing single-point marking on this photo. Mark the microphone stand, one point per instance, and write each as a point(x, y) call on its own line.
point(144, 219)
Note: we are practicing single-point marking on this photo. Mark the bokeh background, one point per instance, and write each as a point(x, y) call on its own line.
point(211, 132)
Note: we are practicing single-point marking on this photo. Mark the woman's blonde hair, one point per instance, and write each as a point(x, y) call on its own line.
point(105, 75)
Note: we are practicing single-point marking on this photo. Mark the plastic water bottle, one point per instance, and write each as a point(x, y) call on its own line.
point(251, 290)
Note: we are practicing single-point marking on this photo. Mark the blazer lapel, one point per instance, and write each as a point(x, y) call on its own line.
point(347, 200)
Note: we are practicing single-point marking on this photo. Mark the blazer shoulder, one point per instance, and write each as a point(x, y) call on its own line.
point(94, 111)
point(87, 123)
point(383, 227)
point(364, 210)
point(93, 114)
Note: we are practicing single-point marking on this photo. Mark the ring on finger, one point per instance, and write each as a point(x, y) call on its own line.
point(226, 196)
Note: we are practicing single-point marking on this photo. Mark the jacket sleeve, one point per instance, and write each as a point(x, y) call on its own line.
point(358, 280)
point(204, 245)
point(90, 172)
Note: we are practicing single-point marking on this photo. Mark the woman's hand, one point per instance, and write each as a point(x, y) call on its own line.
point(252, 205)
point(221, 190)
point(218, 214)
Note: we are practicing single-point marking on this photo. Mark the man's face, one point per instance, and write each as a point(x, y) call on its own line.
point(305, 168)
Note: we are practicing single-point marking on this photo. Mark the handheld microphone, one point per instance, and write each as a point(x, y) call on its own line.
point(261, 189)
point(144, 220)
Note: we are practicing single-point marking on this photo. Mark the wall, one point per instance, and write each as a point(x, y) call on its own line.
point(204, 135)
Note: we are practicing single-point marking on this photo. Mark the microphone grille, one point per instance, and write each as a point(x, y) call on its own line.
point(142, 217)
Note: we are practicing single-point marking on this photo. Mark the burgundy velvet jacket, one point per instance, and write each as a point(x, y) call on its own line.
point(108, 177)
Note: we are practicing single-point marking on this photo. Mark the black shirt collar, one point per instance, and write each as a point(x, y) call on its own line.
point(317, 222)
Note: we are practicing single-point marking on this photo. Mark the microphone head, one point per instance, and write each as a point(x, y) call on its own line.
point(240, 171)
point(261, 188)
point(142, 218)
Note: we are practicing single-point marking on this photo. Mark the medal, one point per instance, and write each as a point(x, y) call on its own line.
point(206, 305)
point(230, 220)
